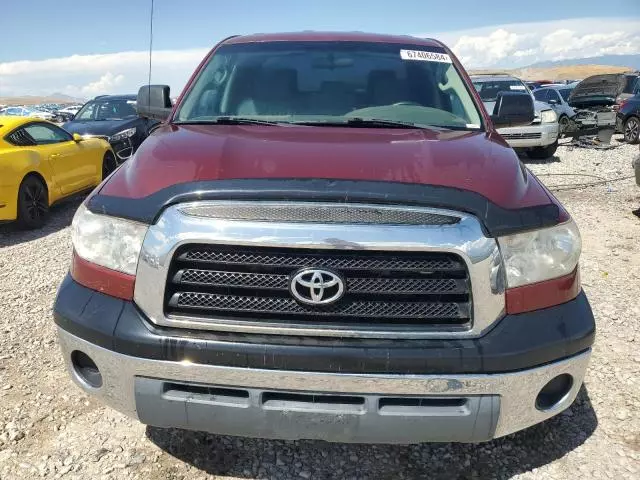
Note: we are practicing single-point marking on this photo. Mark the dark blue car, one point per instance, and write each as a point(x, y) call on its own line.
point(114, 118)
point(628, 118)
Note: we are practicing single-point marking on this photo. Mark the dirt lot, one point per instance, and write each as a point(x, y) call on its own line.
point(50, 429)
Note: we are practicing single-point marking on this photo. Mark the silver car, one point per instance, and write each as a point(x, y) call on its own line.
point(556, 96)
point(539, 139)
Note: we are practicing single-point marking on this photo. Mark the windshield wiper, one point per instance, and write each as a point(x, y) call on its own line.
point(229, 121)
point(360, 122)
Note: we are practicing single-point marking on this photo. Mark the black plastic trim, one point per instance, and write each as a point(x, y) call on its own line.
point(495, 219)
point(517, 342)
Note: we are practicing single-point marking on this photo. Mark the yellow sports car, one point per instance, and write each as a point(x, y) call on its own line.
point(40, 163)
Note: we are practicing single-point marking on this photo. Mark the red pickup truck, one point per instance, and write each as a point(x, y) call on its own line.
point(326, 238)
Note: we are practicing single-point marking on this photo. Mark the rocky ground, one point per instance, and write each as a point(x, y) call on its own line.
point(50, 429)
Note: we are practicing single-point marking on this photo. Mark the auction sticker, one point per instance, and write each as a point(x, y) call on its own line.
point(425, 56)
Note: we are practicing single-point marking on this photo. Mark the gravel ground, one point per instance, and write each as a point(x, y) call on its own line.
point(50, 429)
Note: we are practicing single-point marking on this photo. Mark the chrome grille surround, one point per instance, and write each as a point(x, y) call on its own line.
point(464, 238)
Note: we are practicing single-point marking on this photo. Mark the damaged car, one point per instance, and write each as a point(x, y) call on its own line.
point(593, 101)
point(556, 96)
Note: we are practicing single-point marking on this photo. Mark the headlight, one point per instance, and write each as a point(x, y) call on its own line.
point(128, 133)
point(112, 242)
point(548, 116)
point(541, 254)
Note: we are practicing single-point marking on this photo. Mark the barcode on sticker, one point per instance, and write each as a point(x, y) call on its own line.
point(424, 56)
point(516, 87)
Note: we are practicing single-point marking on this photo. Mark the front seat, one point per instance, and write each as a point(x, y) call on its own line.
point(384, 88)
point(274, 93)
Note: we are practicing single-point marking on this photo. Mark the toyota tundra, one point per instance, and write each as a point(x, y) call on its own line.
point(326, 238)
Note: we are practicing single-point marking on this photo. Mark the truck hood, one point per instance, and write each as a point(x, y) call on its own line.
point(99, 127)
point(480, 162)
point(597, 90)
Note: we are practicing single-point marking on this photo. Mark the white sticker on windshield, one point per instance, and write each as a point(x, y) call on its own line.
point(516, 87)
point(424, 56)
point(131, 102)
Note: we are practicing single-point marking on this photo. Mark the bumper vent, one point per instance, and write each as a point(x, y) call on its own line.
point(383, 289)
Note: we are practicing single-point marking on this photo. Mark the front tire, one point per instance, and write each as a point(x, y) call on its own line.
point(563, 123)
point(541, 153)
point(109, 164)
point(33, 203)
point(631, 130)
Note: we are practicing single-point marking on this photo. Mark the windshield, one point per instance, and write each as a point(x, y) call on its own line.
point(489, 89)
point(331, 83)
point(630, 83)
point(107, 110)
point(565, 92)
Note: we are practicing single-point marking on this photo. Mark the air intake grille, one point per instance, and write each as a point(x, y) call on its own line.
point(396, 289)
point(318, 213)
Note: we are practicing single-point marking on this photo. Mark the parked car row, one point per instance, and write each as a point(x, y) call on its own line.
point(51, 112)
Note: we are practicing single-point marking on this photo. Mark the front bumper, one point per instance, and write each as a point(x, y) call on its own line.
point(338, 390)
point(535, 135)
point(123, 149)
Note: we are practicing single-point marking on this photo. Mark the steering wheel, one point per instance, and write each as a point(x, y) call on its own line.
point(407, 102)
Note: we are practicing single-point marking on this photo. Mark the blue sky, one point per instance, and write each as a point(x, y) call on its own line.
point(44, 29)
point(84, 35)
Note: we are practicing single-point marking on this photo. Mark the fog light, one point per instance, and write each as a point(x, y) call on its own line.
point(86, 369)
point(554, 392)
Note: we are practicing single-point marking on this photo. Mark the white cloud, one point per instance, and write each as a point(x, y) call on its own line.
point(90, 75)
point(510, 45)
point(521, 44)
point(108, 83)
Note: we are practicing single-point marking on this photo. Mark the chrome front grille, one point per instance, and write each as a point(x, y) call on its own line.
point(400, 280)
point(393, 288)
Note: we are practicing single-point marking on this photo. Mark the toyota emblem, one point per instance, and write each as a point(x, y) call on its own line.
point(315, 286)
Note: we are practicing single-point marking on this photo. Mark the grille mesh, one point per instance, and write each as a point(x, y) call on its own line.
point(386, 289)
point(343, 262)
point(318, 213)
point(354, 285)
point(287, 306)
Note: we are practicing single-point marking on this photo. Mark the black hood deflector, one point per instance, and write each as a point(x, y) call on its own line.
point(496, 220)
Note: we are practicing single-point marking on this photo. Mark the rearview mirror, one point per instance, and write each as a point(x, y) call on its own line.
point(154, 102)
point(513, 109)
point(77, 137)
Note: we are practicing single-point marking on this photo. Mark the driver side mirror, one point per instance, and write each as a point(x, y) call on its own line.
point(513, 109)
point(77, 138)
point(552, 101)
point(154, 102)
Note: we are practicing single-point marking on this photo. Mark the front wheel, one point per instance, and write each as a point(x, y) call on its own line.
point(33, 203)
point(540, 153)
point(631, 130)
point(109, 164)
point(563, 123)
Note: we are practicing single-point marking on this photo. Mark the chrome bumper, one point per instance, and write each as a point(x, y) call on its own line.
point(129, 383)
point(548, 133)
